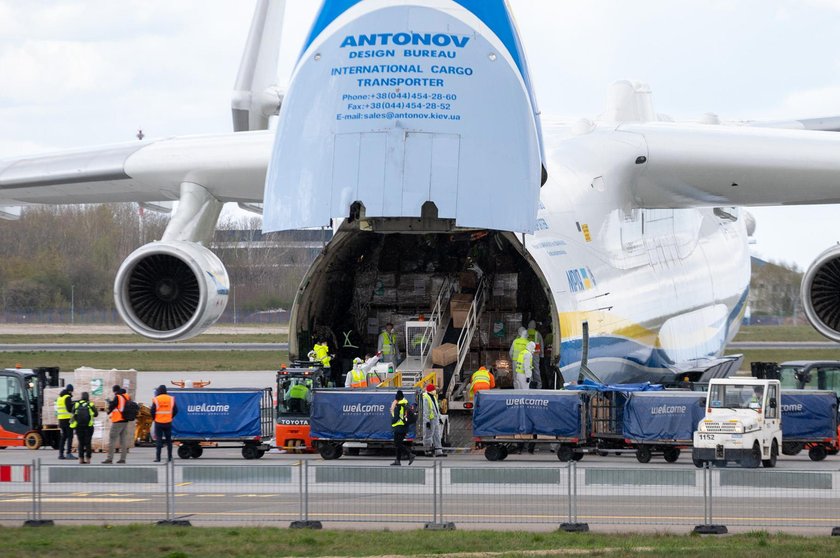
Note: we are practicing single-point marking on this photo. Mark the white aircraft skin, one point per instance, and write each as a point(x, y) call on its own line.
point(637, 230)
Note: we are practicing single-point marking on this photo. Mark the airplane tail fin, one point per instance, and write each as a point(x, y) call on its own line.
point(393, 106)
point(256, 96)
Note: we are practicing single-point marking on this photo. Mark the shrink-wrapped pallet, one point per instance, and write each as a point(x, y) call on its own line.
point(99, 384)
point(48, 414)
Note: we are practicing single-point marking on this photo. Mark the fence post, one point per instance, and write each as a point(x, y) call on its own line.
point(573, 526)
point(37, 495)
point(437, 500)
point(708, 528)
point(170, 499)
point(304, 522)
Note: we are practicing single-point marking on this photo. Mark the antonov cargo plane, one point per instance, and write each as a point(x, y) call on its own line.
point(411, 128)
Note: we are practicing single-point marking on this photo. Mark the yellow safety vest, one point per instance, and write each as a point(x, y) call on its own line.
point(322, 353)
point(358, 378)
point(519, 345)
point(399, 413)
point(520, 363)
point(92, 412)
point(481, 375)
point(431, 405)
point(388, 342)
point(61, 408)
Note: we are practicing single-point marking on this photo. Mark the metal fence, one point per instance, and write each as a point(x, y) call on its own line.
point(434, 494)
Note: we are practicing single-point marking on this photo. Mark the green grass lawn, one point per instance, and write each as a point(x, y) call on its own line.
point(779, 333)
point(158, 361)
point(177, 542)
point(135, 338)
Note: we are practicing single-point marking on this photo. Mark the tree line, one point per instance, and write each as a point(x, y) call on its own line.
point(55, 256)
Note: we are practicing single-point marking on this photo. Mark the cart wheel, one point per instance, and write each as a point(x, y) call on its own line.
point(184, 451)
point(250, 452)
point(577, 455)
point(792, 448)
point(699, 463)
point(353, 451)
point(196, 451)
point(671, 454)
point(817, 453)
point(493, 452)
point(33, 440)
point(643, 454)
point(330, 451)
point(260, 453)
point(504, 453)
point(564, 453)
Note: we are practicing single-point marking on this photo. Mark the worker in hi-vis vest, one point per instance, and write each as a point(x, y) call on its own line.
point(64, 414)
point(358, 376)
point(481, 379)
point(388, 345)
point(322, 355)
point(518, 344)
point(539, 352)
point(524, 367)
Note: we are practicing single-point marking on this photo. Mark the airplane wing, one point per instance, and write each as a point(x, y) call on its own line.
point(702, 165)
point(231, 167)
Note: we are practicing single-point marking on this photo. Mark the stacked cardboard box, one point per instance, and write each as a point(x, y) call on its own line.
point(467, 280)
point(445, 354)
point(413, 290)
point(505, 287)
point(385, 290)
point(99, 385)
point(459, 308)
point(497, 330)
point(48, 410)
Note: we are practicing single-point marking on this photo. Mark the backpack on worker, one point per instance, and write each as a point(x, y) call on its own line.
point(130, 410)
point(81, 414)
point(411, 414)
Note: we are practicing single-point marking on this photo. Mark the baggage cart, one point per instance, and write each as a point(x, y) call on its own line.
point(225, 417)
point(809, 421)
point(360, 418)
point(661, 422)
point(503, 419)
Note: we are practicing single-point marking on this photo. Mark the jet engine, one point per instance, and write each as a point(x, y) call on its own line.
point(821, 293)
point(171, 290)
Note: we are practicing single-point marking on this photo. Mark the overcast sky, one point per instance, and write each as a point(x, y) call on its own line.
point(76, 73)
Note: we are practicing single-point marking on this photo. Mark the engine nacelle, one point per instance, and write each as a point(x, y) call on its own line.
point(821, 293)
point(171, 290)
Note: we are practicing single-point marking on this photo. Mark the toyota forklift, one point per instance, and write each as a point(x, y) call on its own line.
point(293, 405)
point(21, 408)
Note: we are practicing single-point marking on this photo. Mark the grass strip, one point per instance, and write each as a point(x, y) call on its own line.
point(175, 542)
point(158, 361)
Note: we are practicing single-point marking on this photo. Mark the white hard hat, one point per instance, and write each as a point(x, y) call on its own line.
point(531, 346)
point(523, 332)
point(357, 360)
point(532, 324)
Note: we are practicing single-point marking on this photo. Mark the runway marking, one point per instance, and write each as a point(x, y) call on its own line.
point(183, 483)
point(80, 499)
point(209, 495)
point(254, 495)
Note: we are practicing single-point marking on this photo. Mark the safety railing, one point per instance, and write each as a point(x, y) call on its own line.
point(457, 386)
point(434, 493)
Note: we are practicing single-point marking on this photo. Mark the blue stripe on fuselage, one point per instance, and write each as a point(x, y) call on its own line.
point(638, 353)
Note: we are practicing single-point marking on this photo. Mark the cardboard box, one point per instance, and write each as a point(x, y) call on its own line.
point(99, 384)
point(445, 354)
point(438, 372)
point(48, 415)
point(459, 308)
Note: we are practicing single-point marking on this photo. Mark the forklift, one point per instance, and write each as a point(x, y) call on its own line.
point(294, 401)
point(21, 408)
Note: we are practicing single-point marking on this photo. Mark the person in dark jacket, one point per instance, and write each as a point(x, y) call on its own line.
point(399, 411)
point(163, 411)
point(64, 414)
point(84, 428)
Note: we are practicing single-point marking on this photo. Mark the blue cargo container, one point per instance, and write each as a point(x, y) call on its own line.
point(661, 421)
point(354, 415)
point(809, 420)
point(228, 417)
point(502, 418)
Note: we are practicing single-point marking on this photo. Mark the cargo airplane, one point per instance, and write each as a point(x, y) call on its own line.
point(411, 128)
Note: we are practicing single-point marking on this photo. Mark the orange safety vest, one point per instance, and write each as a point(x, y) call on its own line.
point(116, 414)
point(163, 408)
